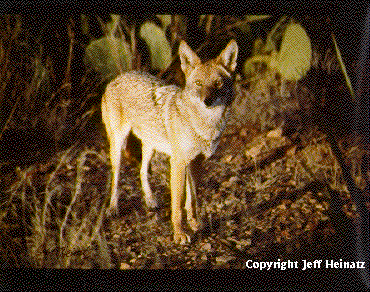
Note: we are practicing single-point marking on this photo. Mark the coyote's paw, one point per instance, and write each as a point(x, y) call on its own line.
point(181, 237)
point(194, 224)
point(151, 202)
point(112, 210)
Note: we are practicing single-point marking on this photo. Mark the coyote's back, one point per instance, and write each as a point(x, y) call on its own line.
point(181, 123)
point(136, 99)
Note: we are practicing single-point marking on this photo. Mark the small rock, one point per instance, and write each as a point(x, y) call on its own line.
point(292, 151)
point(243, 132)
point(230, 200)
point(245, 242)
point(227, 158)
point(226, 184)
point(254, 151)
point(224, 258)
point(206, 247)
point(278, 132)
point(125, 266)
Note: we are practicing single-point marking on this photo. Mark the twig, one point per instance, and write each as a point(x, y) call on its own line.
point(11, 114)
point(71, 35)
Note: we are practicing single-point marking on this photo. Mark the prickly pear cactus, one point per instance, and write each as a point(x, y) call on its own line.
point(286, 51)
point(294, 58)
point(165, 19)
point(159, 47)
point(109, 55)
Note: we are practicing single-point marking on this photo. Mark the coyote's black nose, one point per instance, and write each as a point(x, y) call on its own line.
point(217, 97)
point(212, 99)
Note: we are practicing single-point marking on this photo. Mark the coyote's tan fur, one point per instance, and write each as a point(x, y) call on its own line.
point(181, 123)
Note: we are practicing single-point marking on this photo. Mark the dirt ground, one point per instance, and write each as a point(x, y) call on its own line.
point(264, 196)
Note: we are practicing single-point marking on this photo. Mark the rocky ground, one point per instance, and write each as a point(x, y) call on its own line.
point(262, 196)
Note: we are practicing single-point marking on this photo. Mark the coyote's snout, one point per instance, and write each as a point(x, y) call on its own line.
point(181, 123)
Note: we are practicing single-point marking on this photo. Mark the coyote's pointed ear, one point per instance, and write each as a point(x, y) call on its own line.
point(188, 58)
point(228, 56)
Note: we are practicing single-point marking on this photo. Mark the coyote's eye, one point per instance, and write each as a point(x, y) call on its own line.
point(219, 83)
point(198, 82)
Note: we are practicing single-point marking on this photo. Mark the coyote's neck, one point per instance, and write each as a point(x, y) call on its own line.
point(207, 123)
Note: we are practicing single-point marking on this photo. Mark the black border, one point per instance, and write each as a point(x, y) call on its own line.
point(49, 279)
point(179, 280)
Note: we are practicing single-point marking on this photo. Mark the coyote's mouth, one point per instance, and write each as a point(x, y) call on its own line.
point(218, 98)
point(212, 100)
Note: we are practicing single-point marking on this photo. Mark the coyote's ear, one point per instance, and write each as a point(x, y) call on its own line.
point(228, 56)
point(188, 58)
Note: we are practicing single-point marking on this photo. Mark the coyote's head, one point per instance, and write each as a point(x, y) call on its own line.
point(211, 82)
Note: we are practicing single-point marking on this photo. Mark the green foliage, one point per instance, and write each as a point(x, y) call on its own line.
point(343, 67)
point(258, 47)
point(293, 60)
point(244, 25)
point(109, 55)
point(111, 26)
point(113, 54)
point(275, 35)
point(41, 83)
point(253, 18)
point(165, 20)
point(159, 47)
point(84, 24)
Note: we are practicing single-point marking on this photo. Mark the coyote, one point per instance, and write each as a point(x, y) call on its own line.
point(181, 123)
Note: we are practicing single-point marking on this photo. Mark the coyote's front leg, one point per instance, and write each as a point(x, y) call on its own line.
point(177, 180)
point(191, 200)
